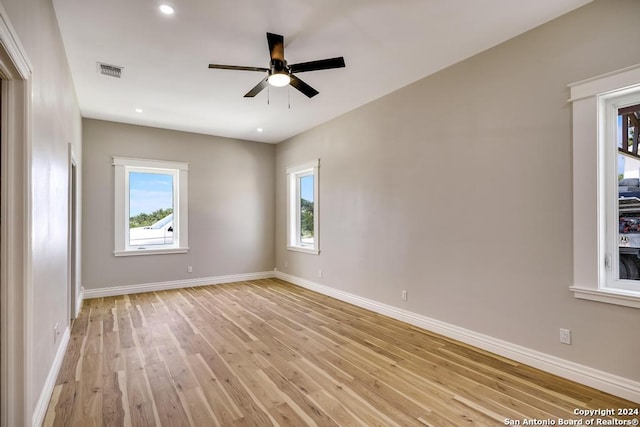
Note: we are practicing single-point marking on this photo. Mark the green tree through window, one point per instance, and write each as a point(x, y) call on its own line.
point(306, 219)
point(306, 209)
point(146, 219)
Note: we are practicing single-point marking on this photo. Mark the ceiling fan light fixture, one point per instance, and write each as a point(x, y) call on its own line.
point(166, 9)
point(279, 79)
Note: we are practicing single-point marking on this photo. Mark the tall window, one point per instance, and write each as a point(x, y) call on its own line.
point(150, 207)
point(302, 212)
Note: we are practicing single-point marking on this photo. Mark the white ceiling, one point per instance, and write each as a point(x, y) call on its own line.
point(386, 44)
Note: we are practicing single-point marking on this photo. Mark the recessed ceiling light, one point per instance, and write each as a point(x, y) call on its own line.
point(259, 129)
point(138, 110)
point(166, 9)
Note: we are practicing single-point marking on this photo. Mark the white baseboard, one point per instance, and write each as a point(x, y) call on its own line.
point(616, 385)
point(174, 284)
point(47, 390)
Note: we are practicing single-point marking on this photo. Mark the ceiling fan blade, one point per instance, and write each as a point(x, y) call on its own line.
point(258, 88)
point(322, 64)
point(276, 46)
point(237, 67)
point(303, 87)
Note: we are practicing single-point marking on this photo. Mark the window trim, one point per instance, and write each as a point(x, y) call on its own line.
point(294, 173)
point(588, 99)
point(179, 171)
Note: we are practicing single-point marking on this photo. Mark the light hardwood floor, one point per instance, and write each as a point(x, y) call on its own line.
point(267, 352)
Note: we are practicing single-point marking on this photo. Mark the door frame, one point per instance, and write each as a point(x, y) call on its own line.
point(15, 229)
point(75, 299)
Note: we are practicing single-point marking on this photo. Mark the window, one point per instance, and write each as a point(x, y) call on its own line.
point(606, 178)
point(302, 208)
point(150, 207)
point(622, 251)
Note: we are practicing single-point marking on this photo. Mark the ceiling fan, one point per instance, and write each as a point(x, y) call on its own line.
point(280, 73)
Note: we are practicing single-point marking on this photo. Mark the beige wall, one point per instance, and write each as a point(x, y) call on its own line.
point(55, 122)
point(231, 205)
point(458, 189)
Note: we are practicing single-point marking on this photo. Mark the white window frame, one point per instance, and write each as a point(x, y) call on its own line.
point(179, 171)
point(595, 208)
point(294, 174)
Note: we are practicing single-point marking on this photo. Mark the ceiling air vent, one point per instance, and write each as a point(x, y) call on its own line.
point(110, 70)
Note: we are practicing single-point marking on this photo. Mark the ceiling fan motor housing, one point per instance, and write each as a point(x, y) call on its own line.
point(279, 67)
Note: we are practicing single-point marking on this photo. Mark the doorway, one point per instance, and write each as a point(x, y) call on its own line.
point(15, 230)
point(73, 235)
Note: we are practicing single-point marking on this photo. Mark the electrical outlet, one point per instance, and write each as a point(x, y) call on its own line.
point(189, 269)
point(286, 263)
point(404, 295)
point(56, 332)
point(320, 273)
point(565, 336)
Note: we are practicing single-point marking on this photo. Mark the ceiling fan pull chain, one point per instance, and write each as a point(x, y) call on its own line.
point(289, 96)
point(268, 93)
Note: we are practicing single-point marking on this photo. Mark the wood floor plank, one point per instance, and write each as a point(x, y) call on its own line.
point(112, 353)
point(336, 385)
point(285, 416)
point(297, 395)
point(200, 412)
point(141, 405)
point(51, 408)
point(225, 411)
point(64, 409)
point(181, 374)
point(334, 409)
point(89, 392)
point(265, 352)
point(124, 325)
point(233, 386)
point(368, 379)
point(167, 401)
point(113, 413)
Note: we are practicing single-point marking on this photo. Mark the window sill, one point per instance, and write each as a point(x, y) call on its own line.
point(618, 297)
point(303, 249)
point(137, 252)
